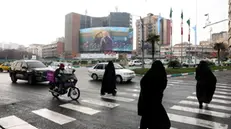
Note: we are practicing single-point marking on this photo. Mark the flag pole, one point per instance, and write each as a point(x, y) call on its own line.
point(196, 36)
point(181, 36)
point(171, 34)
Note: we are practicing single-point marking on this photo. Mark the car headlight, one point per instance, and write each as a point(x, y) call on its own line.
point(126, 73)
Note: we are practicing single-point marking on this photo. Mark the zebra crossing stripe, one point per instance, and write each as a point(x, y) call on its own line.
point(201, 111)
point(133, 90)
point(118, 98)
point(226, 87)
point(197, 122)
point(219, 89)
point(222, 84)
point(13, 122)
point(213, 100)
point(82, 109)
point(221, 92)
point(210, 105)
point(100, 103)
point(125, 93)
point(54, 116)
point(219, 96)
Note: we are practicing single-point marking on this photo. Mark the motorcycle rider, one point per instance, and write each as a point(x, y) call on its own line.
point(58, 76)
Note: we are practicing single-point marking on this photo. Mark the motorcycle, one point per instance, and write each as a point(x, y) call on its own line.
point(69, 88)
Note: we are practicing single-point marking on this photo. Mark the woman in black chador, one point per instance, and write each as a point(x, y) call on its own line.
point(109, 80)
point(206, 83)
point(150, 106)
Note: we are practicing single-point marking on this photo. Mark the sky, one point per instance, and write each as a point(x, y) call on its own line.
point(42, 21)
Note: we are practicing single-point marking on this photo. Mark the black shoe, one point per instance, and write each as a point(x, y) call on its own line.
point(102, 94)
point(200, 105)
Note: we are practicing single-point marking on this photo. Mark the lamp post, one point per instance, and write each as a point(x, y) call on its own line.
point(142, 40)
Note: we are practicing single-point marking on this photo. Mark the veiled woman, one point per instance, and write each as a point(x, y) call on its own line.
point(206, 83)
point(109, 80)
point(150, 106)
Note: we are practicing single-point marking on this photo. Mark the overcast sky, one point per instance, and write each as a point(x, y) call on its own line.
point(42, 21)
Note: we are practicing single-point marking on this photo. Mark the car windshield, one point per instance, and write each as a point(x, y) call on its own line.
point(36, 65)
point(117, 66)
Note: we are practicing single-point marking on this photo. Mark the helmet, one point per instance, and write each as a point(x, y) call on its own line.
point(61, 66)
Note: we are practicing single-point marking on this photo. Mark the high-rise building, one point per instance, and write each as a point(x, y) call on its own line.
point(74, 22)
point(72, 26)
point(151, 26)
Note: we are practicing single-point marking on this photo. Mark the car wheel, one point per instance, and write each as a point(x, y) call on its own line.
point(119, 79)
point(31, 80)
point(94, 77)
point(13, 78)
point(1, 70)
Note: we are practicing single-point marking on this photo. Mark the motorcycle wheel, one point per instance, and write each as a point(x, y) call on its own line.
point(55, 94)
point(74, 93)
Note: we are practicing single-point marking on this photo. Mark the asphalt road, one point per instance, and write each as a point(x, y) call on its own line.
point(32, 107)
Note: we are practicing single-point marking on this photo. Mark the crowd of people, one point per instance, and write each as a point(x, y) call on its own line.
point(152, 85)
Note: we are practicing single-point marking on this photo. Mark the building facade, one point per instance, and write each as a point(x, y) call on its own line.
point(54, 50)
point(35, 49)
point(205, 49)
point(72, 26)
point(74, 22)
point(151, 25)
point(222, 36)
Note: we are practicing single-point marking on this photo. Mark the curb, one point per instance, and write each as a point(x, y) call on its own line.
point(183, 74)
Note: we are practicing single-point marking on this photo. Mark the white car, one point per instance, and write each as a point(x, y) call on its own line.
point(135, 63)
point(122, 75)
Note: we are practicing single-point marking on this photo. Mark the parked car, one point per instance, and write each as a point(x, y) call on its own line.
point(31, 70)
point(135, 63)
point(5, 67)
point(148, 62)
point(122, 74)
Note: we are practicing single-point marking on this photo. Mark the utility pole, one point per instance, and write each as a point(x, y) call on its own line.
point(142, 41)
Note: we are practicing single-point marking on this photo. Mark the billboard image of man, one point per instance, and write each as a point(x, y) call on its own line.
point(106, 42)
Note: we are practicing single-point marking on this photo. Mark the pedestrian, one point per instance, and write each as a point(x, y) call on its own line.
point(109, 80)
point(206, 83)
point(150, 108)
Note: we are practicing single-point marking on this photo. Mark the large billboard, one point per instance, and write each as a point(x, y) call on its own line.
point(102, 39)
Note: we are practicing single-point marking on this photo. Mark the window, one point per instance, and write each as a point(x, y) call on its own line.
point(24, 64)
point(99, 66)
point(19, 64)
point(36, 65)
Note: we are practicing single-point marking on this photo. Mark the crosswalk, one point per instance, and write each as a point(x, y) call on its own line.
point(185, 112)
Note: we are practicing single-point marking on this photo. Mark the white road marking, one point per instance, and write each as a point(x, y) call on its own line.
point(213, 100)
point(54, 116)
point(133, 90)
point(201, 111)
point(79, 108)
point(197, 122)
point(219, 96)
point(126, 93)
point(222, 84)
point(226, 87)
point(219, 89)
point(118, 98)
point(100, 103)
point(13, 122)
point(224, 93)
point(209, 105)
